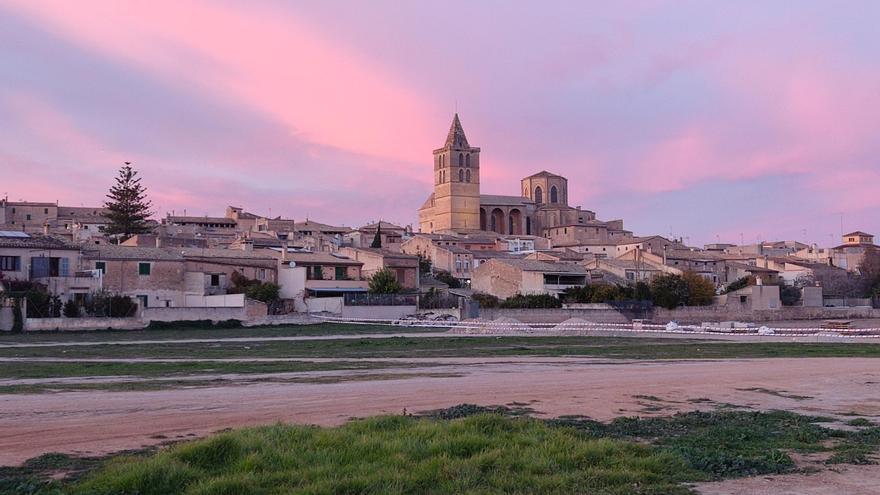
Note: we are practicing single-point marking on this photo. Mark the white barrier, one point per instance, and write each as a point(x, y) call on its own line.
point(644, 328)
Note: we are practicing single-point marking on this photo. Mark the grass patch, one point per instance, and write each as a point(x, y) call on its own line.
point(481, 454)
point(202, 330)
point(860, 422)
point(463, 449)
point(777, 393)
point(428, 347)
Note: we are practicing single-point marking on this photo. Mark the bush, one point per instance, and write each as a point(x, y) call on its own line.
point(701, 292)
point(385, 282)
point(738, 285)
point(17, 317)
point(790, 295)
point(265, 291)
point(448, 279)
point(121, 307)
point(486, 300)
point(71, 309)
point(669, 291)
point(532, 301)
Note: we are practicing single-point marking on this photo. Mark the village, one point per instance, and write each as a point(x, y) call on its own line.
point(469, 251)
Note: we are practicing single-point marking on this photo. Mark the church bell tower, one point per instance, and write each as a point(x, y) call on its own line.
point(455, 204)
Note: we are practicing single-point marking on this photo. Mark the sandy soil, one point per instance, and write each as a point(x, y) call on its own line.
point(103, 422)
point(843, 480)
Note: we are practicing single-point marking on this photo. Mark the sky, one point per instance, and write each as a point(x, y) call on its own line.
point(713, 121)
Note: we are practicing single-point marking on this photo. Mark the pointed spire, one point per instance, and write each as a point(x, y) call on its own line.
point(456, 138)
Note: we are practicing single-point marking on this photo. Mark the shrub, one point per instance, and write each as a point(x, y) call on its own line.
point(486, 300)
point(385, 282)
point(17, 317)
point(121, 306)
point(265, 291)
point(701, 292)
point(532, 301)
point(71, 309)
point(448, 279)
point(738, 284)
point(790, 295)
point(669, 291)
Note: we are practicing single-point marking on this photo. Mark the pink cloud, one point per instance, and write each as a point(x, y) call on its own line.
point(270, 61)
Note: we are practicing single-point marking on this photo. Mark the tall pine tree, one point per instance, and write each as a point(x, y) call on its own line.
point(128, 205)
point(377, 239)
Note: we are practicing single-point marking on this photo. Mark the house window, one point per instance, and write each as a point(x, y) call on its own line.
point(45, 211)
point(341, 273)
point(28, 216)
point(10, 263)
point(215, 280)
point(142, 300)
point(144, 269)
point(101, 265)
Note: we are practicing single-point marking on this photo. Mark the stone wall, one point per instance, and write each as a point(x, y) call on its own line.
point(7, 318)
point(378, 312)
point(597, 315)
point(79, 324)
point(688, 315)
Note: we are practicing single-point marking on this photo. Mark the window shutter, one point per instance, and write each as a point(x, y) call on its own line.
point(64, 267)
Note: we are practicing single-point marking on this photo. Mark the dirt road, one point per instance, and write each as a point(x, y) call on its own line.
point(103, 422)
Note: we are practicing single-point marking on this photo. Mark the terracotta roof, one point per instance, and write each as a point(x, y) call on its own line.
point(543, 266)
point(320, 258)
point(114, 252)
point(500, 200)
point(35, 242)
point(543, 173)
point(190, 219)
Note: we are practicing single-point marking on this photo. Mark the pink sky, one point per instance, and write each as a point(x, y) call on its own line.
point(683, 118)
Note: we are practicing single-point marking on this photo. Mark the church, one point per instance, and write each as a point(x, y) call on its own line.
point(457, 207)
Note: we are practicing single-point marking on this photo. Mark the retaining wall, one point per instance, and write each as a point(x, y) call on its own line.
point(378, 312)
point(7, 318)
point(79, 324)
point(597, 315)
point(721, 313)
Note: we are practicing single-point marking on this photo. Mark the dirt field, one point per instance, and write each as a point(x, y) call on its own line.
point(94, 422)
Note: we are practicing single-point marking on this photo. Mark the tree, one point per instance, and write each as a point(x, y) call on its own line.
point(377, 239)
point(739, 284)
point(669, 291)
point(263, 291)
point(385, 282)
point(424, 265)
point(869, 270)
point(701, 292)
point(127, 205)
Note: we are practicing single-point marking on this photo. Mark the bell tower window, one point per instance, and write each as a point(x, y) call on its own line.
point(461, 159)
point(554, 195)
point(461, 175)
point(467, 161)
point(467, 176)
point(539, 195)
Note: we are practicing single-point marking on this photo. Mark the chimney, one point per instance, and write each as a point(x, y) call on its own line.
point(284, 251)
point(247, 246)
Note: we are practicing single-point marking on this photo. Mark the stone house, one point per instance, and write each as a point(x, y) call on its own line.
point(504, 278)
point(405, 267)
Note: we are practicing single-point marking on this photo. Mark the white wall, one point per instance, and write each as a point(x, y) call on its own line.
point(324, 304)
point(218, 301)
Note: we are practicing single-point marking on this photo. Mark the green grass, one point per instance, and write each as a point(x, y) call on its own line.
point(428, 347)
point(183, 331)
point(464, 449)
point(67, 369)
point(484, 454)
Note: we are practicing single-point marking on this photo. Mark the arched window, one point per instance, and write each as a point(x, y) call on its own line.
point(461, 175)
point(467, 161)
point(461, 159)
point(539, 195)
point(554, 195)
point(467, 176)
